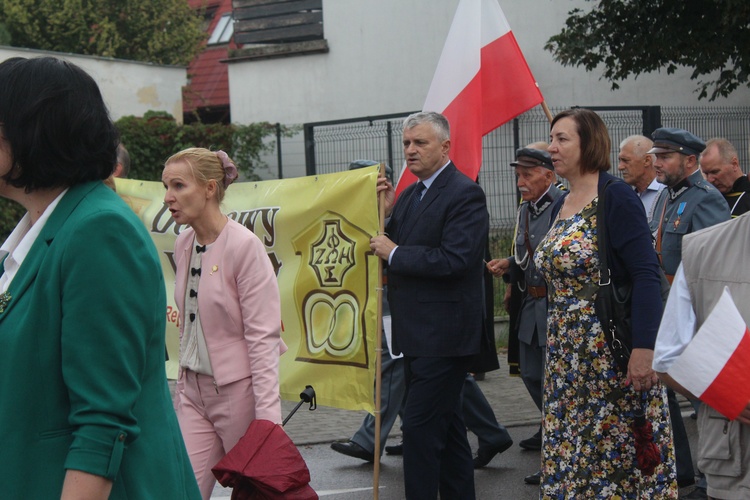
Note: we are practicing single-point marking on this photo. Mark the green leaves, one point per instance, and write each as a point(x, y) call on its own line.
point(156, 31)
point(155, 137)
point(632, 37)
point(10, 213)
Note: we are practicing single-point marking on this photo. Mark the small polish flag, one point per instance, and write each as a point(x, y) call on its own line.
point(481, 82)
point(715, 366)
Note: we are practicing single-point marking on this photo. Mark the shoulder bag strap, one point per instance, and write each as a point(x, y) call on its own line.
point(605, 278)
point(659, 232)
point(601, 231)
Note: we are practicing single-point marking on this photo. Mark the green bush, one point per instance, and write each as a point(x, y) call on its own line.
point(10, 213)
point(156, 136)
point(5, 38)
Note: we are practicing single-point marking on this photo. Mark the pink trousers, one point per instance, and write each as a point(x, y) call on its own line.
point(212, 421)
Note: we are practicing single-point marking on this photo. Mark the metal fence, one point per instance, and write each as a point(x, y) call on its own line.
point(331, 146)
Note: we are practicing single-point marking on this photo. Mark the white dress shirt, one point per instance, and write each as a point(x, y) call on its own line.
point(649, 195)
point(17, 246)
point(677, 324)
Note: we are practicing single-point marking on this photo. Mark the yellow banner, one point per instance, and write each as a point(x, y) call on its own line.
point(316, 231)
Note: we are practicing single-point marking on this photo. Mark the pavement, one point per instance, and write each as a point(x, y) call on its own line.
point(507, 395)
point(337, 477)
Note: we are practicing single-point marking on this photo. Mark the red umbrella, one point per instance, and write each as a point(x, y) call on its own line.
point(265, 464)
point(646, 452)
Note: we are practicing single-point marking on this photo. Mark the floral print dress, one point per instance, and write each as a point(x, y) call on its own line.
point(588, 447)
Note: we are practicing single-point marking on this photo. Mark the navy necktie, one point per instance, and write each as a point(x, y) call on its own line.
point(416, 197)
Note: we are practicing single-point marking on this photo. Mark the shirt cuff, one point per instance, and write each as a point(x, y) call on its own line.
point(390, 255)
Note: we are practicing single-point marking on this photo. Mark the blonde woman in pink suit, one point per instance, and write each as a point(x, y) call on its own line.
point(230, 314)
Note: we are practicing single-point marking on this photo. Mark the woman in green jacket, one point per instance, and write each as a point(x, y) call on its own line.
point(86, 411)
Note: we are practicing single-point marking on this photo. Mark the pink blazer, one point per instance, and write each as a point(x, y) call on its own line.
point(240, 312)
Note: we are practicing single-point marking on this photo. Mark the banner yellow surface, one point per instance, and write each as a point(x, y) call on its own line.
point(316, 231)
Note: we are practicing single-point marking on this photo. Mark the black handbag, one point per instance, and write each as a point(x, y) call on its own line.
point(613, 302)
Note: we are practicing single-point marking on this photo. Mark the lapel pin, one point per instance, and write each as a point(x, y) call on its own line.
point(214, 269)
point(4, 301)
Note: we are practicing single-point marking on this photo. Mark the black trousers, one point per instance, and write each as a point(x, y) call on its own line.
point(437, 456)
point(683, 457)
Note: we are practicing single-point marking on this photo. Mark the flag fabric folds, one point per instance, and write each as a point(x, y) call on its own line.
point(481, 82)
point(714, 366)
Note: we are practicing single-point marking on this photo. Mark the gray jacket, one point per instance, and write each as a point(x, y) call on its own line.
point(713, 259)
point(523, 273)
point(691, 205)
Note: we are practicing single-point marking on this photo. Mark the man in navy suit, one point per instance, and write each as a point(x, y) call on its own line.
point(434, 244)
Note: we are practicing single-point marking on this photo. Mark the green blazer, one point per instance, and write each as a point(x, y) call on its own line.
point(82, 379)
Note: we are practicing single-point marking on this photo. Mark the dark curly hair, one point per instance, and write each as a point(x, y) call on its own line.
point(56, 123)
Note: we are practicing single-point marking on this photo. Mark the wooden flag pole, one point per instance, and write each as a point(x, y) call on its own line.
point(379, 344)
point(546, 111)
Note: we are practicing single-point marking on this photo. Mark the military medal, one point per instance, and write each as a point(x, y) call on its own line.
point(4, 301)
point(680, 209)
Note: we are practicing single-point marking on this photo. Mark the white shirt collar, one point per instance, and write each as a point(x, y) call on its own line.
point(20, 241)
point(428, 182)
point(543, 195)
point(655, 186)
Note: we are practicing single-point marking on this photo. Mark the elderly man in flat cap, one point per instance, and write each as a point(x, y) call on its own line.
point(689, 203)
point(535, 179)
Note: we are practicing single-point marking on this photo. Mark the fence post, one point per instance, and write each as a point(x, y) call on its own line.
point(651, 119)
point(516, 147)
point(309, 149)
point(278, 149)
point(389, 137)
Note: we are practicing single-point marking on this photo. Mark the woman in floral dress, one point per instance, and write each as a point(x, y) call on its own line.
point(588, 446)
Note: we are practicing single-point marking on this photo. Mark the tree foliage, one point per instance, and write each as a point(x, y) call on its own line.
point(4, 35)
point(632, 37)
point(156, 31)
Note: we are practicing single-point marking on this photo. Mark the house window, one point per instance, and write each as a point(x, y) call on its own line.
point(223, 31)
point(278, 22)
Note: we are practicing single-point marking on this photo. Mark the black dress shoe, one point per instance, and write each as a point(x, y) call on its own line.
point(352, 449)
point(532, 443)
point(534, 478)
point(397, 449)
point(484, 455)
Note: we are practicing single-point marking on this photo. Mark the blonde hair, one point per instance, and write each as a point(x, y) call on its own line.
point(208, 165)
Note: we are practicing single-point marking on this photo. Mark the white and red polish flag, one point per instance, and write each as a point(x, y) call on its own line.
point(481, 81)
point(715, 366)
